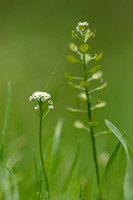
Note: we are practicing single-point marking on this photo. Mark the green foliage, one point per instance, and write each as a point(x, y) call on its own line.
point(73, 86)
point(128, 183)
point(99, 56)
point(5, 123)
point(80, 195)
point(84, 47)
point(106, 171)
point(95, 69)
point(55, 149)
point(72, 59)
point(11, 194)
point(7, 178)
point(76, 110)
point(72, 171)
point(84, 84)
point(69, 77)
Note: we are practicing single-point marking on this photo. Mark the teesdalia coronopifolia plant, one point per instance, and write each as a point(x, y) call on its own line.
point(56, 184)
point(43, 104)
point(91, 75)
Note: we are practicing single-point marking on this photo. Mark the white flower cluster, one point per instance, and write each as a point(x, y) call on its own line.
point(81, 26)
point(41, 97)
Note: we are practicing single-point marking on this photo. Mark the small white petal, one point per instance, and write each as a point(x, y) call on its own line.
point(43, 99)
point(36, 107)
point(30, 98)
point(50, 107)
point(50, 102)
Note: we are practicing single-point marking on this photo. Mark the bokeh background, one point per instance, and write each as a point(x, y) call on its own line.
point(34, 42)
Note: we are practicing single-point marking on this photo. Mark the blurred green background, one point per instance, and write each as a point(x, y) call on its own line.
point(34, 41)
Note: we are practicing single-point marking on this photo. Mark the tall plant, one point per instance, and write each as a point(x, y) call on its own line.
point(90, 74)
point(86, 91)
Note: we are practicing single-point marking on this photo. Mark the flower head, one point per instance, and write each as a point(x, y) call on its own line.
point(81, 26)
point(42, 100)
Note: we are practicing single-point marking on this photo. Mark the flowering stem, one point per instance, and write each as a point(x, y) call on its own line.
point(90, 119)
point(41, 154)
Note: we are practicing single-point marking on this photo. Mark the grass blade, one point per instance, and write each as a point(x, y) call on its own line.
point(15, 195)
point(55, 149)
point(106, 170)
point(128, 183)
point(5, 123)
point(80, 194)
point(72, 170)
point(38, 183)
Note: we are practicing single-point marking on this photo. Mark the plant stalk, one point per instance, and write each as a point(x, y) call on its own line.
point(41, 156)
point(90, 119)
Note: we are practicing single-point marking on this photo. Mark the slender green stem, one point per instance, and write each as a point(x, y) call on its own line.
point(90, 119)
point(2, 145)
point(41, 155)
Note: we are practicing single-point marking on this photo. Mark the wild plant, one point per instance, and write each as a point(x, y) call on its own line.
point(83, 34)
point(51, 164)
point(43, 104)
point(91, 75)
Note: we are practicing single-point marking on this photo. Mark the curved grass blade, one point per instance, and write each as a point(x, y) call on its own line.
point(15, 190)
point(71, 172)
point(5, 123)
point(106, 170)
point(128, 182)
point(55, 149)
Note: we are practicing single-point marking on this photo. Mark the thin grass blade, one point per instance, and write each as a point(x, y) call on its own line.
point(80, 194)
point(55, 149)
point(72, 170)
point(38, 186)
point(15, 195)
point(5, 123)
point(106, 170)
point(128, 182)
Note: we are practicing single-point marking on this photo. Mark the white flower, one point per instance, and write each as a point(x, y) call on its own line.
point(30, 98)
point(40, 96)
point(36, 107)
point(47, 96)
point(50, 107)
point(81, 26)
point(34, 96)
point(50, 102)
point(43, 99)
